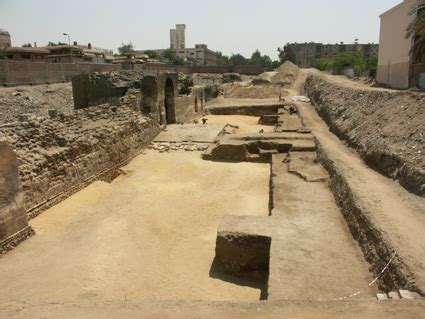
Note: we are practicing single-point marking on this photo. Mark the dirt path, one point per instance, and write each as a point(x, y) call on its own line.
point(150, 235)
point(398, 213)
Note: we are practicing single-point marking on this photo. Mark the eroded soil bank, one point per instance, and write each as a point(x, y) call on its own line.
point(384, 126)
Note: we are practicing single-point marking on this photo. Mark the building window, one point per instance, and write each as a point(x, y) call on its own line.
point(10, 56)
point(26, 56)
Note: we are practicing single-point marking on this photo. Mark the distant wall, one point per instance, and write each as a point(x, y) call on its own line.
point(188, 69)
point(23, 72)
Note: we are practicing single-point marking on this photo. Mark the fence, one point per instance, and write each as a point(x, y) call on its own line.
point(23, 72)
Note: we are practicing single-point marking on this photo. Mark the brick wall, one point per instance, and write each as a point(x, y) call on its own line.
point(23, 72)
point(58, 156)
point(12, 217)
point(188, 69)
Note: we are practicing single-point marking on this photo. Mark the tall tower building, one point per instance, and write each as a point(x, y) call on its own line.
point(178, 37)
point(173, 39)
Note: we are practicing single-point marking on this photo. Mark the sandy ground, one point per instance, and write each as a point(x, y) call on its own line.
point(150, 235)
point(246, 124)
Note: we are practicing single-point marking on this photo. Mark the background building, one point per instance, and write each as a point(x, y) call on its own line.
point(199, 55)
point(307, 54)
point(395, 65)
point(5, 41)
point(178, 37)
point(26, 54)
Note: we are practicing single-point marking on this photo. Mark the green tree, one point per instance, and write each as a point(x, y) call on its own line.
point(222, 59)
point(51, 44)
point(416, 29)
point(238, 59)
point(287, 54)
point(275, 64)
point(171, 57)
point(27, 45)
point(152, 54)
point(324, 64)
point(126, 48)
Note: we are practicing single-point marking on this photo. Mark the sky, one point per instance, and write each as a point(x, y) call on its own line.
point(230, 26)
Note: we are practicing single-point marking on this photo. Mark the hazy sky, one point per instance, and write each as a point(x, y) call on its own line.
point(230, 26)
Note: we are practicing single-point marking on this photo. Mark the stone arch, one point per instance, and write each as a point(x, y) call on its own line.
point(169, 101)
point(150, 96)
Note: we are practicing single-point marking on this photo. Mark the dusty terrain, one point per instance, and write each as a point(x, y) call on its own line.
point(35, 100)
point(149, 235)
point(144, 244)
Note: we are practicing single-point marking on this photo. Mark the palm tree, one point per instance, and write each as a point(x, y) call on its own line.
point(416, 29)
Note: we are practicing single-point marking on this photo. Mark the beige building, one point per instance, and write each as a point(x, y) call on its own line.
point(27, 54)
point(178, 37)
point(395, 66)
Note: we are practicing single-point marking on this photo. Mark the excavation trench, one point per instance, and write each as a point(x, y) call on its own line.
point(300, 201)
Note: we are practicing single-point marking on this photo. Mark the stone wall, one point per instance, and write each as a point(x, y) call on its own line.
point(189, 69)
point(99, 88)
point(60, 155)
point(13, 220)
point(22, 72)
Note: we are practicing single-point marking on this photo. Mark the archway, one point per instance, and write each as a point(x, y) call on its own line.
point(150, 96)
point(169, 103)
point(196, 104)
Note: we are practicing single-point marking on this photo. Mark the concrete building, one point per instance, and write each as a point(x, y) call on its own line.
point(5, 41)
point(178, 37)
point(27, 54)
point(199, 55)
point(395, 65)
point(307, 54)
point(77, 53)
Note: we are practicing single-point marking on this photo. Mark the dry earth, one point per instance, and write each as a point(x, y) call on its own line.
point(36, 100)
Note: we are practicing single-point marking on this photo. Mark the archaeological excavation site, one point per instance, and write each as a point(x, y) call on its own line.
point(293, 193)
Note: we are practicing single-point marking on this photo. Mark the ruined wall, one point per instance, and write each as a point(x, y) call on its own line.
point(22, 72)
point(190, 106)
point(385, 127)
point(99, 88)
point(13, 220)
point(58, 156)
point(189, 69)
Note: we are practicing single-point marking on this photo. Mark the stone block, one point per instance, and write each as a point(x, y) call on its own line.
point(381, 296)
point(405, 294)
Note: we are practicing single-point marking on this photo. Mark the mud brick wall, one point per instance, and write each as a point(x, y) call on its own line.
point(99, 88)
point(12, 215)
point(190, 106)
point(23, 72)
point(385, 127)
point(56, 154)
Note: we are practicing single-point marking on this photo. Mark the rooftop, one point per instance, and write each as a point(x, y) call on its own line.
point(27, 50)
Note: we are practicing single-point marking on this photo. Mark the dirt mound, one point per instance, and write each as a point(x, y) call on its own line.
point(249, 91)
point(35, 100)
point(287, 73)
point(385, 127)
